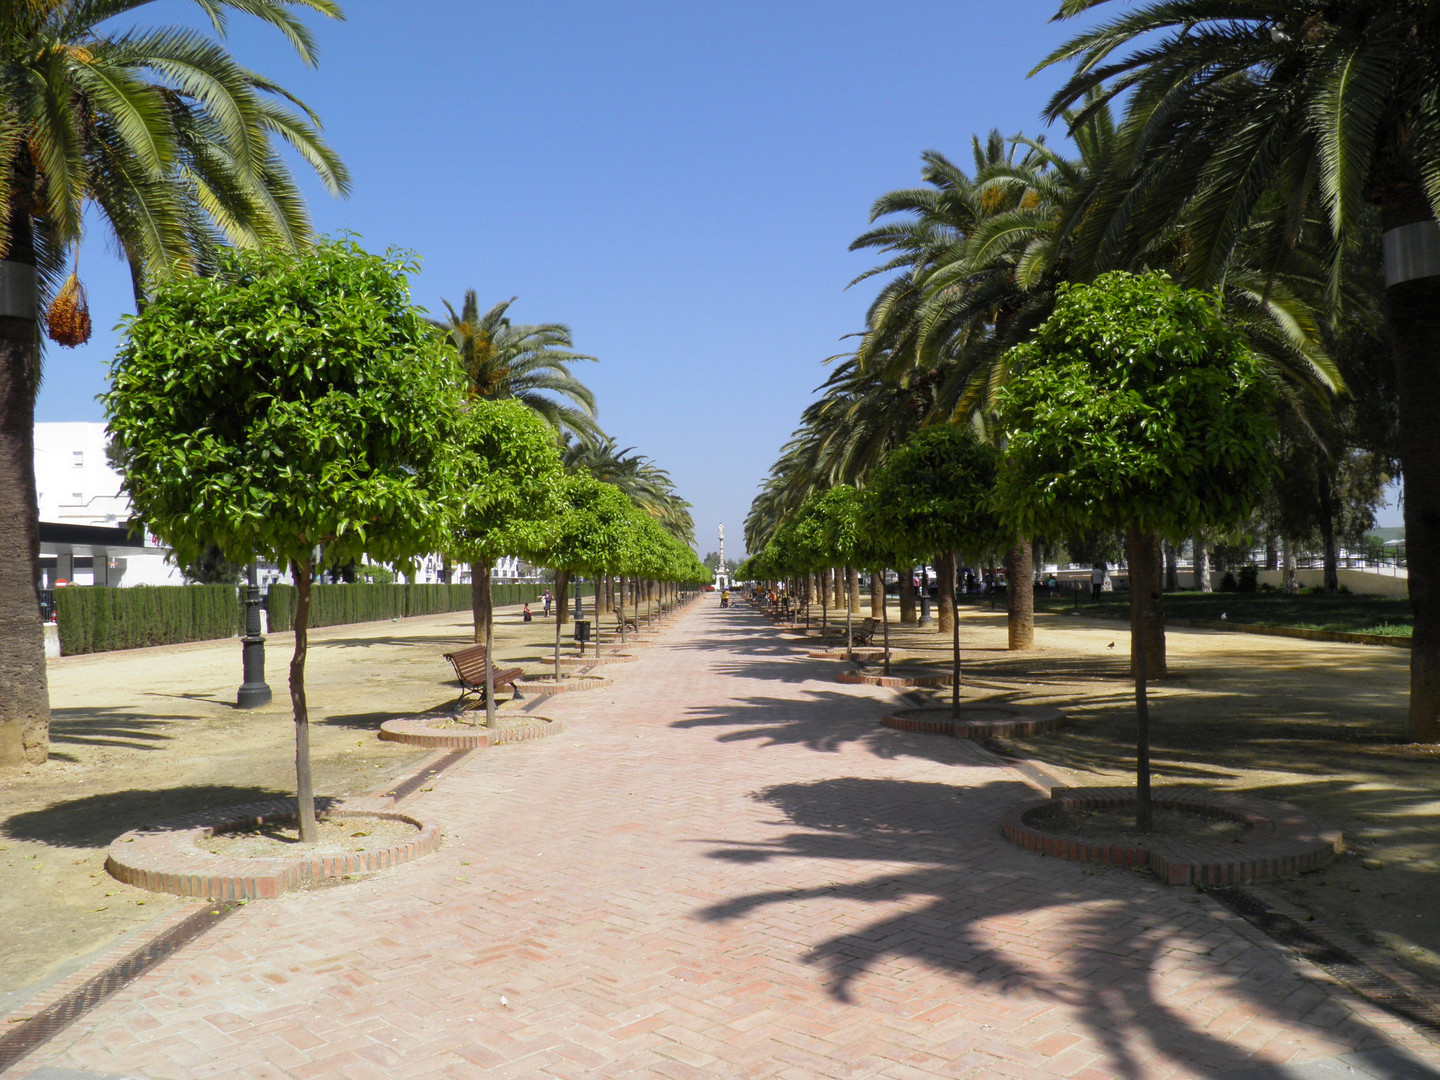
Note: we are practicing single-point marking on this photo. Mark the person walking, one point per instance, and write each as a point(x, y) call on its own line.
point(548, 598)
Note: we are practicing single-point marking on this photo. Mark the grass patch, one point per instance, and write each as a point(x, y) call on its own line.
point(1387, 615)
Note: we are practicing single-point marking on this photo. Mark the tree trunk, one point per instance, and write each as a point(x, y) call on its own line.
point(852, 588)
point(24, 692)
point(489, 637)
point(1288, 582)
point(562, 597)
point(837, 586)
point(1272, 552)
point(908, 614)
point(1412, 303)
point(877, 592)
point(1147, 610)
point(1202, 564)
point(1327, 527)
point(945, 590)
point(1020, 594)
point(480, 604)
point(304, 785)
point(1172, 568)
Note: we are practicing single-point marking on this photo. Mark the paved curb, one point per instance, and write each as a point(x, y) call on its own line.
point(938, 720)
point(1283, 839)
point(168, 859)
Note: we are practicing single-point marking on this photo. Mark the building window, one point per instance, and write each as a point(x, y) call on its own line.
point(79, 458)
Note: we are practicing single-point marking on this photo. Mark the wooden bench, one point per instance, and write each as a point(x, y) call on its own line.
point(861, 635)
point(629, 624)
point(470, 666)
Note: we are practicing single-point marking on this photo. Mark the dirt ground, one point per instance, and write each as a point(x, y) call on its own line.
point(148, 734)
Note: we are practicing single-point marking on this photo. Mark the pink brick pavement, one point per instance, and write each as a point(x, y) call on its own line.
point(726, 867)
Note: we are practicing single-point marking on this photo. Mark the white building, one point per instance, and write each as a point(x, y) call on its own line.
point(84, 516)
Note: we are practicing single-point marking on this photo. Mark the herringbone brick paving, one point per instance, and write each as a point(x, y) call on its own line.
point(725, 867)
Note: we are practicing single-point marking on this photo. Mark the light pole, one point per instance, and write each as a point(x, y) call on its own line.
point(254, 691)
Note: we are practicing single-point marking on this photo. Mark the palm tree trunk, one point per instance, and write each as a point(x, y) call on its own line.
point(1413, 313)
point(1172, 568)
point(1327, 527)
point(1202, 564)
point(945, 592)
point(1288, 584)
point(304, 783)
point(562, 598)
point(1020, 594)
point(24, 693)
point(907, 595)
point(1147, 611)
point(852, 585)
point(877, 592)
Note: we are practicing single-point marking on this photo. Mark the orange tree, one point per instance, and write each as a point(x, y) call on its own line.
point(1134, 408)
point(289, 402)
point(931, 496)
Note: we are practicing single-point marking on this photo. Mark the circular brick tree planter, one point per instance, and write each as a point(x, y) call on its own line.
point(544, 685)
point(902, 679)
point(1281, 840)
point(450, 733)
point(169, 859)
point(860, 655)
point(572, 660)
point(977, 720)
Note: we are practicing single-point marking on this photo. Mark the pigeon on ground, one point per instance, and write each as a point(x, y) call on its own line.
point(1110, 646)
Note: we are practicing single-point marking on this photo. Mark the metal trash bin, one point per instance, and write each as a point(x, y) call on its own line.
point(582, 630)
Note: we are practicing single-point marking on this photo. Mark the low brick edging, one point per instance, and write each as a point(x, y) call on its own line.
point(859, 678)
point(420, 731)
point(169, 859)
point(861, 654)
point(1344, 637)
point(535, 684)
point(1283, 840)
point(939, 720)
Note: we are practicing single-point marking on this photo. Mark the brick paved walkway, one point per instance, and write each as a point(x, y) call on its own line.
point(725, 867)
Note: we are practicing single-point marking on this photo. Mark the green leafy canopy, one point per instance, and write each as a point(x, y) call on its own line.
point(1135, 404)
point(288, 401)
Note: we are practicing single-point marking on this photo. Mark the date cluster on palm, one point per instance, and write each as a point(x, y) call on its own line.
point(68, 319)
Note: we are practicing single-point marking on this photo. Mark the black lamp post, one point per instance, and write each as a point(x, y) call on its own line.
point(254, 691)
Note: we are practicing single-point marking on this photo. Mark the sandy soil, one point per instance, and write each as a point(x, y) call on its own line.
point(145, 735)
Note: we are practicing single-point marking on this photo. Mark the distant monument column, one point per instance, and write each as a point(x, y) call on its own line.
point(722, 579)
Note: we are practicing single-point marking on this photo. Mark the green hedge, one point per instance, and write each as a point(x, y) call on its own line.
point(95, 618)
point(337, 605)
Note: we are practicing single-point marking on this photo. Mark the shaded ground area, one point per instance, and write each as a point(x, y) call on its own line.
point(146, 734)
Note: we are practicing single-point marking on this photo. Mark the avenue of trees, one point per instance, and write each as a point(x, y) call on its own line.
point(1283, 160)
point(276, 395)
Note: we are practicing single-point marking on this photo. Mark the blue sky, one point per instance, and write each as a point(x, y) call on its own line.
point(677, 182)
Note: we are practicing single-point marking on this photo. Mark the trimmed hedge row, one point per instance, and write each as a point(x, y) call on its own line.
point(96, 618)
point(338, 605)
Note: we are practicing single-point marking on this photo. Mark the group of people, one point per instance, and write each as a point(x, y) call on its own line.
point(547, 598)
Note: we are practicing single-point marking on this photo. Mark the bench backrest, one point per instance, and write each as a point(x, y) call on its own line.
point(469, 663)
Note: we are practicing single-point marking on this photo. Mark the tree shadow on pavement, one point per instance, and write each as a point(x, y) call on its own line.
point(1136, 964)
point(95, 820)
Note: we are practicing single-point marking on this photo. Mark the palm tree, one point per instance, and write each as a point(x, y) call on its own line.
point(173, 143)
point(1236, 105)
point(529, 363)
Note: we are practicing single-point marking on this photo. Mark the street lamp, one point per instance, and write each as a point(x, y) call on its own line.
point(254, 691)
